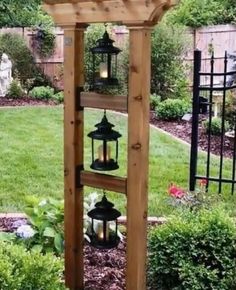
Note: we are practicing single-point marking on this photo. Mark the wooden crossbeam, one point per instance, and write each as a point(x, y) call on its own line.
point(103, 181)
point(100, 101)
point(129, 12)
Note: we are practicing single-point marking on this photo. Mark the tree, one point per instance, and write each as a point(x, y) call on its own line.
point(197, 13)
point(23, 13)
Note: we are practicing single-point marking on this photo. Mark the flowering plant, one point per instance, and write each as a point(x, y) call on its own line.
point(190, 199)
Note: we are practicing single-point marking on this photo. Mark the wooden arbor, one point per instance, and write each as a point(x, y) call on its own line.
point(139, 16)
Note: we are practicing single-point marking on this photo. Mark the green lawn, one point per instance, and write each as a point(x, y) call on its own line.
point(31, 158)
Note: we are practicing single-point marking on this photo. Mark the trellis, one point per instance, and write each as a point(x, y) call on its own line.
point(139, 16)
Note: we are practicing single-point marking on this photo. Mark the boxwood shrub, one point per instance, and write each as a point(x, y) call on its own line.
point(172, 109)
point(42, 93)
point(22, 270)
point(216, 126)
point(194, 251)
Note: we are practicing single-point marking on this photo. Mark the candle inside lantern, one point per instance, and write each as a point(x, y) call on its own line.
point(101, 154)
point(100, 231)
point(103, 70)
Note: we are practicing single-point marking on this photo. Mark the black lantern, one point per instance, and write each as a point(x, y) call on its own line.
point(109, 139)
point(104, 227)
point(104, 56)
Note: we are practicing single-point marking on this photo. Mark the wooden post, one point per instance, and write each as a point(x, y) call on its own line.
point(138, 151)
point(73, 157)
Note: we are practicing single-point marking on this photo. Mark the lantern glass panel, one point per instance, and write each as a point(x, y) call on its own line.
point(104, 146)
point(105, 156)
point(104, 234)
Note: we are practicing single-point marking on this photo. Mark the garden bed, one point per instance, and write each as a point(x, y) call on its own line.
point(25, 101)
point(104, 269)
point(183, 129)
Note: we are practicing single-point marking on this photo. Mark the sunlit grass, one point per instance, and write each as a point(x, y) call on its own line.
point(31, 159)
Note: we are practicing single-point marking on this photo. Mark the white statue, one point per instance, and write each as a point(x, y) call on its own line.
point(5, 74)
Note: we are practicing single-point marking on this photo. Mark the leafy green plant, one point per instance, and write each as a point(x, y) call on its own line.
point(230, 110)
point(216, 126)
point(197, 13)
point(154, 101)
point(46, 219)
point(20, 55)
point(168, 77)
point(23, 270)
point(15, 90)
point(58, 97)
point(42, 93)
point(23, 13)
point(24, 65)
point(44, 41)
point(172, 109)
point(194, 250)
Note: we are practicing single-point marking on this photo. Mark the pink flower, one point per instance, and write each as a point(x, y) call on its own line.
point(176, 191)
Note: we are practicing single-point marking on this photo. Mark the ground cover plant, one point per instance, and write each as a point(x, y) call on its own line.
point(31, 160)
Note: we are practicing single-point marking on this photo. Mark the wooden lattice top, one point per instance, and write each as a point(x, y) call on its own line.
point(128, 12)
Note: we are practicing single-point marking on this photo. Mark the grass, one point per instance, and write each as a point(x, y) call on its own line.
point(31, 159)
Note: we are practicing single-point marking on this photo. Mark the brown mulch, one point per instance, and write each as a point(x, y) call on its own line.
point(25, 101)
point(183, 129)
point(11, 224)
point(105, 269)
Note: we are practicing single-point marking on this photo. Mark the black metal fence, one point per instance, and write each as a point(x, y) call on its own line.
point(206, 98)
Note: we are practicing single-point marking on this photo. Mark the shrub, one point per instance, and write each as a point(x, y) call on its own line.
point(46, 219)
point(194, 251)
point(230, 110)
point(59, 97)
point(24, 65)
point(44, 41)
point(22, 270)
point(172, 109)
point(42, 93)
point(216, 124)
point(168, 79)
point(16, 48)
point(154, 101)
point(197, 13)
point(15, 90)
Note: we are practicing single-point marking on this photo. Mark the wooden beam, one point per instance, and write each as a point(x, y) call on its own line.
point(100, 101)
point(138, 148)
point(73, 157)
point(104, 181)
point(138, 12)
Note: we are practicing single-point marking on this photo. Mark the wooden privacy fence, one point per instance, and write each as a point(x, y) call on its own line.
point(219, 38)
point(52, 66)
point(212, 39)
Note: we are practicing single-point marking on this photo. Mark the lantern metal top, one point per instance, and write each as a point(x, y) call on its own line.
point(104, 210)
point(104, 131)
point(105, 45)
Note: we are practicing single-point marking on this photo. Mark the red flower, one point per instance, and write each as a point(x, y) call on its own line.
point(203, 182)
point(176, 191)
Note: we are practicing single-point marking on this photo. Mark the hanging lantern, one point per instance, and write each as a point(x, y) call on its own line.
point(104, 226)
point(104, 56)
point(109, 144)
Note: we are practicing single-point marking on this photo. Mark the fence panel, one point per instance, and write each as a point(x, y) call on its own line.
point(217, 38)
